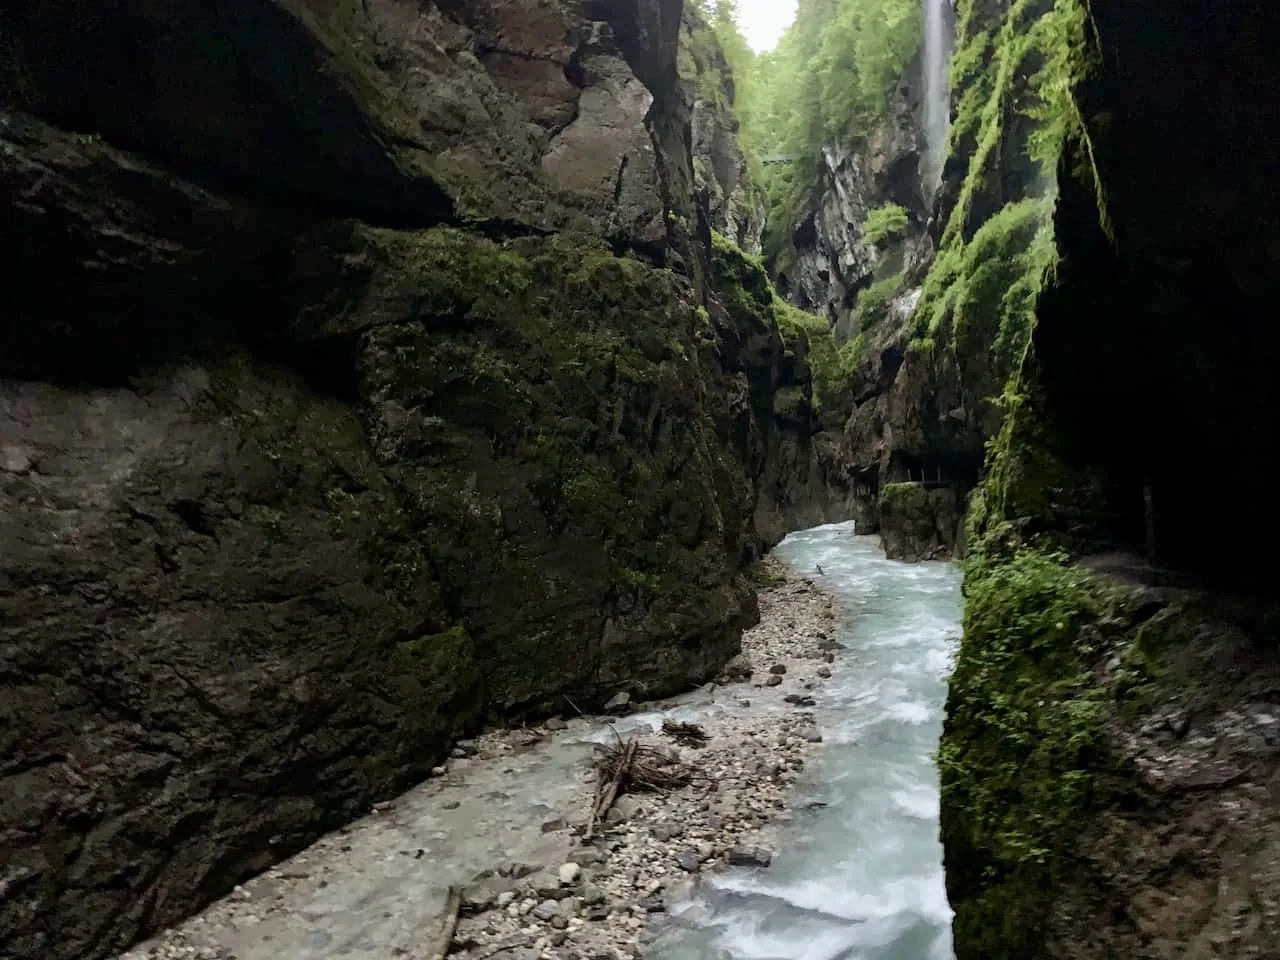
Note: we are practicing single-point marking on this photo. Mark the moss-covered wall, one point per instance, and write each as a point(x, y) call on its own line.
point(791, 382)
point(1071, 758)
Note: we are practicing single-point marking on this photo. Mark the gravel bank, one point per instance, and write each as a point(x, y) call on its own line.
point(531, 888)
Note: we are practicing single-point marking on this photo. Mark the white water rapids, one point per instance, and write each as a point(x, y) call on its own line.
point(860, 874)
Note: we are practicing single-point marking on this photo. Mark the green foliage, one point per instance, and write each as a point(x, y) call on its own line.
point(884, 224)
point(872, 306)
point(851, 353)
point(1023, 733)
point(828, 82)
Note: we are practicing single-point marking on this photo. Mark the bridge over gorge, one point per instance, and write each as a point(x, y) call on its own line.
point(774, 159)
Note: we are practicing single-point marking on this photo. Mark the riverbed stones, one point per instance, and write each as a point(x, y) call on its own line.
point(569, 873)
point(667, 831)
point(651, 850)
point(547, 909)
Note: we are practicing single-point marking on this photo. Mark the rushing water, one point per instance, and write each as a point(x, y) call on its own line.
point(861, 877)
point(936, 59)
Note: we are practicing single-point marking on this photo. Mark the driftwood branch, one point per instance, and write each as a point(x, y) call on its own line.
point(631, 768)
point(690, 734)
point(453, 905)
point(607, 792)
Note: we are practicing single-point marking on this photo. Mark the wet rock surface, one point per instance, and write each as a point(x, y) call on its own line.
point(528, 112)
point(379, 888)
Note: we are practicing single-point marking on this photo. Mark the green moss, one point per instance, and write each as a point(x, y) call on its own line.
point(885, 224)
point(790, 403)
point(872, 306)
point(1023, 742)
point(440, 672)
point(851, 353)
point(269, 519)
point(1023, 761)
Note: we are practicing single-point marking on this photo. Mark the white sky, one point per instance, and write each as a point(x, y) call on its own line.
point(762, 21)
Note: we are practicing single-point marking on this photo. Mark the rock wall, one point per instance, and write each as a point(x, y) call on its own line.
point(1109, 762)
point(734, 201)
point(380, 394)
point(907, 414)
point(833, 262)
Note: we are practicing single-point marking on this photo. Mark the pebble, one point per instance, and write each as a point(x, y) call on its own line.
point(620, 702)
point(666, 831)
point(773, 681)
point(547, 909)
point(569, 873)
point(778, 669)
point(750, 857)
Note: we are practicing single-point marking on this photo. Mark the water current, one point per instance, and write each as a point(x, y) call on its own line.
point(859, 875)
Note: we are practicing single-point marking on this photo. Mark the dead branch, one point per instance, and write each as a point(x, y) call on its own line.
point(453, 906)
point(631, 768)
point(502, 947)
point(607, 790)
point(689, 734)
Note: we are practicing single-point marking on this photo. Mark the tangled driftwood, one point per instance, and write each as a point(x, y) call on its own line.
point(690, 734)
point(628, 768)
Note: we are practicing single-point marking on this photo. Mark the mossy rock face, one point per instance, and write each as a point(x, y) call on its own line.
point(542, 411)
point(786, 381)
point(918, 522)
point(479, 479)
point(1103, 764)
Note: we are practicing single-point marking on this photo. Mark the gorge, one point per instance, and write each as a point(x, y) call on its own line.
point(377, 373)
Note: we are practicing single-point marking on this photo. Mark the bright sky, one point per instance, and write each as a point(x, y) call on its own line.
point(762, 21)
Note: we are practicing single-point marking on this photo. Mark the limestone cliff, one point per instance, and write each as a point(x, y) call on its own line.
point(732, 195)
point(1109, 761)
point(832, 259)
point(380, 393)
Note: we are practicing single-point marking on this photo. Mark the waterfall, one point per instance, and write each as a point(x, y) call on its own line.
point(936, 59)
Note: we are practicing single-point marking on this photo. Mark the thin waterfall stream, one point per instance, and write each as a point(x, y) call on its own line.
point(859, 875)
point(936, 58)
